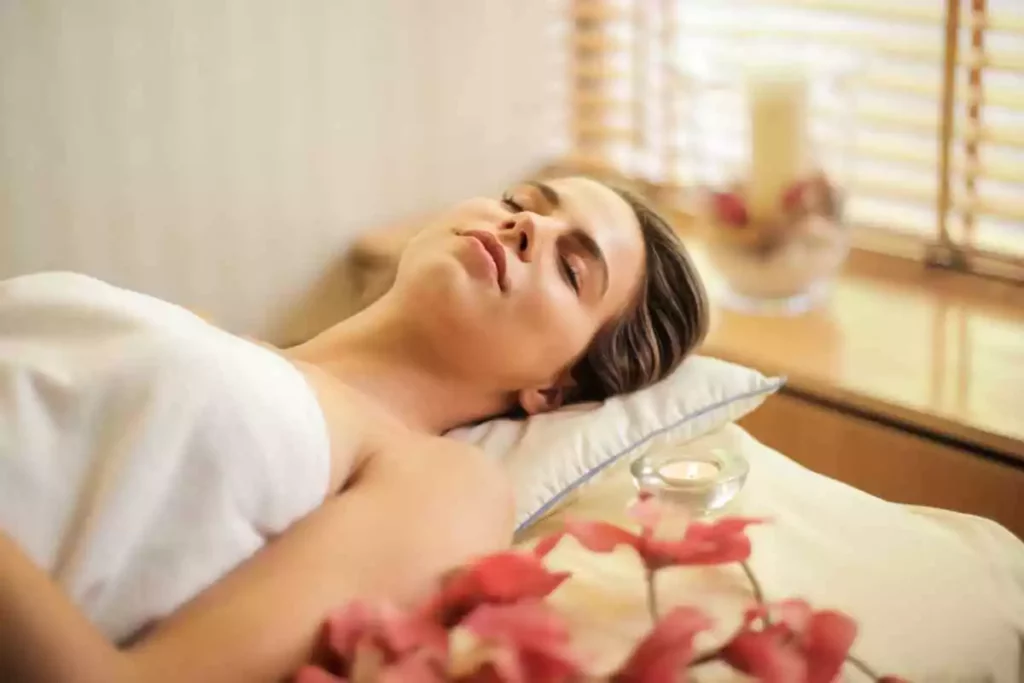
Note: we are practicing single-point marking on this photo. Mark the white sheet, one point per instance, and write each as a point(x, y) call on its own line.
point(143, 453)
point(937, 595)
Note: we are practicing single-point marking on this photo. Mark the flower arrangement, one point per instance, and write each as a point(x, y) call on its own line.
point(489, 622)
point(813, 197)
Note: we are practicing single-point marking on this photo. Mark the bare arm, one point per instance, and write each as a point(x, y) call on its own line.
point(406, 520)
point(43, 636)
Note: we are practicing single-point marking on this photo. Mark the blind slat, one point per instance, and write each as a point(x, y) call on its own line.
point(1003, 60)
point(876, 9)
point(1005, 23)
point(906, 192)
point(1008, 99)
point(912, 49)
point(1010, 209)
point(993, 134)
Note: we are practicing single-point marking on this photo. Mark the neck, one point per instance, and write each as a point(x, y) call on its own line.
point(376, 353)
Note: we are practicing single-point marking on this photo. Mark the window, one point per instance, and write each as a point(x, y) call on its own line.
point(917, 106)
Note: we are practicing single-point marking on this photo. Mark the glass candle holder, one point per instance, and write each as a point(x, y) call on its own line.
point(699, 481)
point(771, 168)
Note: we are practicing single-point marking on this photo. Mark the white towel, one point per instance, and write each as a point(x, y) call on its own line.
point(143, 452)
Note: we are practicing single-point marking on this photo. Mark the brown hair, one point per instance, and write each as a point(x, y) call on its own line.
point(667, 321)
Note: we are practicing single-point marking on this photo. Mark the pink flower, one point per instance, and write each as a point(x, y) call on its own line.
point(414, 668)
point(314, 674)
point(526, 642)
point(802, 647)
point(360, 633)
point(394, 632)
point(501, 578)
point(793, 196)
point(729, 208)
point(666, 650)
point(702, 544)
point(647, 511)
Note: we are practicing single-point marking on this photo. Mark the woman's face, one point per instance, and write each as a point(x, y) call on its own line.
point(511, 291)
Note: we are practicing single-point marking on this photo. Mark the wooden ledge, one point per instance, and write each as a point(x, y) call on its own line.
point(937, 351)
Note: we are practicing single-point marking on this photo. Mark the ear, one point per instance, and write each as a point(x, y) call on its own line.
point(545, 399)
point(535, 401)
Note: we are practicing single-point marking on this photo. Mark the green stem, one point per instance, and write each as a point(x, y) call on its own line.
point(712, 656)
point(758, 592)
point(864, 668)
point(652, 598)
point(755, 585)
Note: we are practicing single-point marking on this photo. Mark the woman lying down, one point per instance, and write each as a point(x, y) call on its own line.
point(150, 463)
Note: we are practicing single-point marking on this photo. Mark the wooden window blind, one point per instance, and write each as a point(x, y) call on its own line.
point(929, 122)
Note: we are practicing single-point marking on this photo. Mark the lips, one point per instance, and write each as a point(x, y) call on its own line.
point(497, 253)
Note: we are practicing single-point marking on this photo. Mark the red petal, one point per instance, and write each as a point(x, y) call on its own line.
point(720, 530)
point(666, 650)
point(716, 543)
point(793, 196)
point(763, 655)
point(647, 512)
point(530, 623)
point(314, 674)
point(513, 575)
point(534, 641)
point(412, 669)
point(827, 641)
point(547, 544)
point(795, 613)
point(498, 578)
point(729, 208)
point(600, 537)
point(403, 633)
point(485, 674)
point(347, 625)
point(547, 668)
point(391, 632)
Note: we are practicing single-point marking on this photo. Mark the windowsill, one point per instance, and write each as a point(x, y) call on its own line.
point(938, 351)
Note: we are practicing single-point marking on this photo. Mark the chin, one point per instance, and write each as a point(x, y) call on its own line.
point(445, 291)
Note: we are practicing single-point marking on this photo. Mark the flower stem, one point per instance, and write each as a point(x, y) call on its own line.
point(864, 668)
point(652, 598)
point(707, 657)
point(755, 585)
point(758, 592)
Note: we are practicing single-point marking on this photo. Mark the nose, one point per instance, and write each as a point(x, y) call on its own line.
point(524, 233)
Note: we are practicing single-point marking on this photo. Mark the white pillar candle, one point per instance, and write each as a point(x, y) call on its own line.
point(777, 97)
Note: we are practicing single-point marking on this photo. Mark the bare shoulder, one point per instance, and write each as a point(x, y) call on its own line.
point(423, 450)
point(439, 458)
point(455, 470)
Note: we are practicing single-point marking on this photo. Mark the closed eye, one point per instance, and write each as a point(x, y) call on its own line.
point(570, 274)
point(510, 203)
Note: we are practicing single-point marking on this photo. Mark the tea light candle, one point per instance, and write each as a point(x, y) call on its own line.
point(698, 479)
point(689, 471)
point(777, 96)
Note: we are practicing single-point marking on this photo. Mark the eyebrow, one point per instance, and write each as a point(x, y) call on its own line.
point(549, 193)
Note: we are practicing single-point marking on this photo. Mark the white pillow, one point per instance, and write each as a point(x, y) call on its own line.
point(551, 455)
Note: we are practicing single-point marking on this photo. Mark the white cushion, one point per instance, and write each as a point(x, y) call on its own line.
point(551, 455)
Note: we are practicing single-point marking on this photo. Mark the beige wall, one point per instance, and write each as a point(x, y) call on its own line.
point(221, 154)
